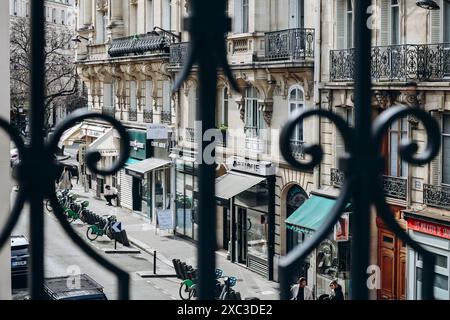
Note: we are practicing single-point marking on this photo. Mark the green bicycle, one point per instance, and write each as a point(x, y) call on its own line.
point(99, 229)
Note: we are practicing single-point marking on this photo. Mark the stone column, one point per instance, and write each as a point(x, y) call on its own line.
point(116, 25)
point(5, 186)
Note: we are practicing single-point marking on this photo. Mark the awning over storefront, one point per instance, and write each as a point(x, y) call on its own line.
point(105, 144)
point(311, 214)
point(69, 136)
point(144, 166)
point(232, 183)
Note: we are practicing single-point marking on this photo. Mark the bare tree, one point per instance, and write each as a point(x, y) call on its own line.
point(61, 79)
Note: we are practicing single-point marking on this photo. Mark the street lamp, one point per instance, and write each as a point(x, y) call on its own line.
point(78, 37)
point(428, 4)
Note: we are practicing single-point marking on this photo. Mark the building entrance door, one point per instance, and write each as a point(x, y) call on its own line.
point(392, 262)
point(242, 234)
point(137, 194)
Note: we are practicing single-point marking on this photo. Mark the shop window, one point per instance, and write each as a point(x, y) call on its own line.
point(440, 281)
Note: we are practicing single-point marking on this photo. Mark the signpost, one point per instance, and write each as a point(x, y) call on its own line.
point(116, 228)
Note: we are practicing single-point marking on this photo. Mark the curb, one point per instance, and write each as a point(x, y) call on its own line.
point(144, 247)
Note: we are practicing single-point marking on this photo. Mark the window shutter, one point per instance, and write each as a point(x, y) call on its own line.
point(385, 26)
point(340, 24)
point(339, 141)
point(436, 24)
point(435, 173)
point(238, 16)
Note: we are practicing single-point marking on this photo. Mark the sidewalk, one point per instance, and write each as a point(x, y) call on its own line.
point(144, 235)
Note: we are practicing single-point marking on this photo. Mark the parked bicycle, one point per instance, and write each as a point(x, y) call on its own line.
point(101, 228)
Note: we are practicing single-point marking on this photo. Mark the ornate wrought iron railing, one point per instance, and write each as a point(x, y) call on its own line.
point(293, 44)
point(132, 115)
point(395, 187)
point(178, 53)
point(298, 148)
point(336, 177)
point(166, 117)
point(189, 134)
point(362, 165)
point(430, 62)
point(436, 196)
point(139, 44)
point(110, 111)
point(148, 116)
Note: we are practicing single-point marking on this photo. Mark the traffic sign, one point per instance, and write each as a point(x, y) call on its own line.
point(117, 227)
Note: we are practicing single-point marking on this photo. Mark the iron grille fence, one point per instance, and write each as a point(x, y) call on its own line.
point(148, 116)
point(132, 115)
point(429, 62)
point(294, 44)
point(361, 164)
point(436, 196)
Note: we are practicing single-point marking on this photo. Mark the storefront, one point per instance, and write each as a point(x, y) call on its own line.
point(331, 259)
point(146, 179)
point(245, 198)
point(432, 232)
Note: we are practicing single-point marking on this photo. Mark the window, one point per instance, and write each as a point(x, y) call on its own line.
point(27, 8)
point(167, 15)
point(395, 22)
point(54, 15)
point(100, 32)
point(397, 132)
point(108, 94)
point(15, 7)
point(446, 149)
point(349, 24)
point(296, 104)
point(222, 116)
point(148, 95)
point(133, 94)
point(446, 22)
point(149, 16)
point(254, 121)
point(296, 13)
point(245, 16)
point(63, 17)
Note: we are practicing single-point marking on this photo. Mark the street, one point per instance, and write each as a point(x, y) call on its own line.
point(62, 256)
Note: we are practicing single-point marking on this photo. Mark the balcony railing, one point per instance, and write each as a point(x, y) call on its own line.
point(148, 116)
point(166, 117)
point(436, 196)
point(189, 134)
point(139, 44)
point(396, 63)
point(110, 111)
point(178, 52)
point(337, 177)
point(291, 44)
point(395, 187)
point(297, 148)
point(132, 115)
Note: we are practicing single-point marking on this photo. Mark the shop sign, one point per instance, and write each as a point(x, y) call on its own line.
point(341, 229)
point(93, 133)
point(136, 145)
point(157, 131)
point(262, 168)
point(159, 144)
point(429, 228)
point(165, 220)
point(108, 153)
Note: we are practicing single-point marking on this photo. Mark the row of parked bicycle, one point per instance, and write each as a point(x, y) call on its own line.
point(77, 209)
point(188, 287)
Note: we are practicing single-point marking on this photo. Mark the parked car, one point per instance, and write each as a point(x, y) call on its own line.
point(19, 256)
point(67, 288)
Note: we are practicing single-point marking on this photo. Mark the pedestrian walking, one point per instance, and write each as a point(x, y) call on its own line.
point(336, 291)
point(300, 291)
point(110, 193)
point(65, 180)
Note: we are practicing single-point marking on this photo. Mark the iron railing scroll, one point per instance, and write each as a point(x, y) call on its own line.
point(37, 170)
point(363, 169)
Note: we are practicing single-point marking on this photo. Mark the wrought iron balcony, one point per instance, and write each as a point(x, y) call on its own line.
point(110, 111)
point(396, 63)
point(291, 44)
point(139, 44)
point(166, 117)
point(132, 115)
point(337, 177)
point(395, 187)
point(148, 116)
point(297, 148)
point(178, 52)
point(189, 134)
point(436, 196)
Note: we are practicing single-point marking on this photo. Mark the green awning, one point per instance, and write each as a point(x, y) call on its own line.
point(132, 161)
point(311, 214)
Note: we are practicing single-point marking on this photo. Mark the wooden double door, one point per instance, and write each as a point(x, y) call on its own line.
point(392, 262)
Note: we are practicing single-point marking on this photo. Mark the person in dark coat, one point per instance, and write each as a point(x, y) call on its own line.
point(336, 291)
